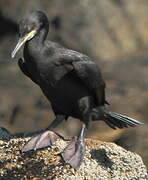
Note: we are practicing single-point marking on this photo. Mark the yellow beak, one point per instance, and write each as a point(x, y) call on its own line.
point(22, 40)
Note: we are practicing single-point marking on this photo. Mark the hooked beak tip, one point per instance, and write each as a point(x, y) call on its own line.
point(12, 55)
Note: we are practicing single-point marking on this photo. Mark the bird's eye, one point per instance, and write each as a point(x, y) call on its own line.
point(28, 27)
point(25, 26)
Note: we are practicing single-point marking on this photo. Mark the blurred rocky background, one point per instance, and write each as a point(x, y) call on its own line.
point(113, 32)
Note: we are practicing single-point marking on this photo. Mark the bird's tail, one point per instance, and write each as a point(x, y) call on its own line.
point(114, 120)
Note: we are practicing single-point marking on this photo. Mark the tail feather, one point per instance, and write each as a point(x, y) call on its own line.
point(114, 120)
point(120, 121)
point(110, 125)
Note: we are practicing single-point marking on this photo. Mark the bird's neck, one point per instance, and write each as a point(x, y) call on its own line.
point(40, 37)
point(34, 46)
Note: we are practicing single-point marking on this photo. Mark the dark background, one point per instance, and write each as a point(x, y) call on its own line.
point(113, 32)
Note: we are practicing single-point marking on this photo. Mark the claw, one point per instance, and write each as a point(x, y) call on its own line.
point(41, 140)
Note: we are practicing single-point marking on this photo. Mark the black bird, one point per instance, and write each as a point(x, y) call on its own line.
point(71, 81)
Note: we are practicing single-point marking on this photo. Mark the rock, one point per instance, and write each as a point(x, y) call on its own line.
point(102, 161)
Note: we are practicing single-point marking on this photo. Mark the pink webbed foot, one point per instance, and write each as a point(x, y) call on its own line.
point(73, 154)
point(47, 138)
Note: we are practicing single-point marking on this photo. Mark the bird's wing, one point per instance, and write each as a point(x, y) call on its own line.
point(87, 70)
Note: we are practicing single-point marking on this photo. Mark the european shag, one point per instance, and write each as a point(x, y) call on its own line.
point(70, 80)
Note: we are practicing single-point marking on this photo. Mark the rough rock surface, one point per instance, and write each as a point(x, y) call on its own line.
point(102, 161)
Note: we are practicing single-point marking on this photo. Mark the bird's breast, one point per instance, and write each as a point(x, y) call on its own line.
point(66, 93)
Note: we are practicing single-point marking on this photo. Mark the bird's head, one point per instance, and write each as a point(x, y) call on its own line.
point(29, 27)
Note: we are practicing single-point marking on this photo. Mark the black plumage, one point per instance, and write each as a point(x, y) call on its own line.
point(70, 80)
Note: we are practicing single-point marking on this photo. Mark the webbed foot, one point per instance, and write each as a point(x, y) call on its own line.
point(44, 139)
point(73, 154)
